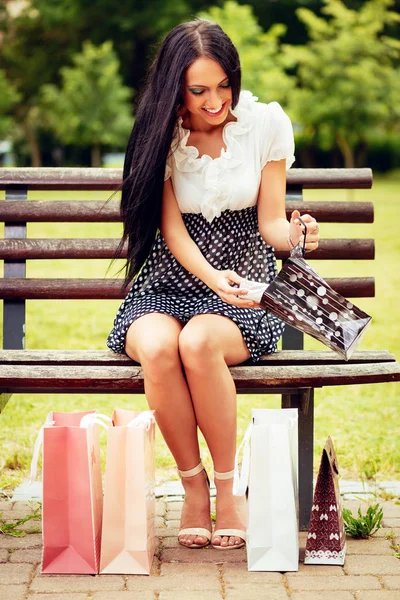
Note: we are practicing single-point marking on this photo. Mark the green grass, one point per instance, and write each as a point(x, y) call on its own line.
point(364, 421)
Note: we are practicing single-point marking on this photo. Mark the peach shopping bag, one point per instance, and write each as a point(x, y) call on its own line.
point(128, 536)
point(72, 493)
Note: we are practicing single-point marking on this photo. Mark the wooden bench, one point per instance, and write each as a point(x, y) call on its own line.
point(293, 372)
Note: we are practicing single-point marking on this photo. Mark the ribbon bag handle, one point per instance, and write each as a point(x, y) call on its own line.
point(145, 419)
point(298, 250)
point(97, 418)
point(241, 475)
point(37, 446)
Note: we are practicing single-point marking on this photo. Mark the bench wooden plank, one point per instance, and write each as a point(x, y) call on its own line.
point(61, 211)
point(29, 249)
point(110, 179)
point(108, 289)
point(108, 358)
point(15, 379)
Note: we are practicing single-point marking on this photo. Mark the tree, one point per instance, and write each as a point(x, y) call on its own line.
point(262, 62)
point(8, 98)
point(91, 108)
point(347, 75)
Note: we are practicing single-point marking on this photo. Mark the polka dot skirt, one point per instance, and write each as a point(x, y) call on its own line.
point(230, 241)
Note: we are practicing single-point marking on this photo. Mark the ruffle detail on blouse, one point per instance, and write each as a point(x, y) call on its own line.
point(217, 193)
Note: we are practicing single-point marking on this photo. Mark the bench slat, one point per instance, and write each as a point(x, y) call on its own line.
point(30, 249)
point(109, 289)
point(48, 211)
point(130, 379)
point(108, 358)
point(110, 179)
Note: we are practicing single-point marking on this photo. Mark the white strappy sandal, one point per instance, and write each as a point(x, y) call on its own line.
point(195, 531)
point(228, 532)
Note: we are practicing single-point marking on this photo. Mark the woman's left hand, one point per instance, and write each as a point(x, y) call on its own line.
point(296, 230)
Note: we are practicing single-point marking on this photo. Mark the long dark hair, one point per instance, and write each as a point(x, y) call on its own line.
point(151, 137)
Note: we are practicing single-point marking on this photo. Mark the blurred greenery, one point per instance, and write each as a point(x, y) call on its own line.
point(333, 65)
point(363, 420)
point(91, 97)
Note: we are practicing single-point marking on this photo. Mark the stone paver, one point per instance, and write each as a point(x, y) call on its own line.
point(371, 565)
point(15, 574)
point(194, 595)
point(13, 592)
point(256, 592)
point(239, 575)
point(369, 546)
point(4, 555)
point(33, 540)
point(57, 584)
point(140, 595)
point(391, 523)
point(350, 583)
point(160, 508)
point(332, 595)
point(392, 583)
point(381, 595)
point(33, 555)
point(206, 555)
point(318, 571)
point(58, 596)
point(180, 577)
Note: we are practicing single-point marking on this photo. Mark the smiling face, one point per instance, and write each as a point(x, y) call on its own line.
point(208, 93)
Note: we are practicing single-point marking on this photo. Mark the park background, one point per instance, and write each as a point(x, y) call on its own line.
point(70, 74)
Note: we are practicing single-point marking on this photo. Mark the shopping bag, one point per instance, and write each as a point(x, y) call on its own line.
point(128, 536)
point(72, 493)
point(326, 540)
point(270, 467)
point(301, 298)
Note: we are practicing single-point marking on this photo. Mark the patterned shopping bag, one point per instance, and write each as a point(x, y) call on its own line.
point(301, 298)
point(326, 540)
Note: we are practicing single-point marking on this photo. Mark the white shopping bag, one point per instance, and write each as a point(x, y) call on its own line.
point(270, 465)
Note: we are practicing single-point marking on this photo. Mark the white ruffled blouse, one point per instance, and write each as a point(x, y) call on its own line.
point(261, 133)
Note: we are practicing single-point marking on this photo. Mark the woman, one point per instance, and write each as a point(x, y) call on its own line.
point(206, 165)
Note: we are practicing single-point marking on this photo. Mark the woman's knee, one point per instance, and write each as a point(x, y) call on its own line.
point(198, 347)
point(154, 346)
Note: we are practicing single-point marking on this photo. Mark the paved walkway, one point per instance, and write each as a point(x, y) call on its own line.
point(371, 570)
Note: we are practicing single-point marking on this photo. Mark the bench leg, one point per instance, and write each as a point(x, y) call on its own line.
point(304, 402)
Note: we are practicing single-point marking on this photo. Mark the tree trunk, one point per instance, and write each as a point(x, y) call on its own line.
point(96, 155)
point(346, 150)
point(36, 158)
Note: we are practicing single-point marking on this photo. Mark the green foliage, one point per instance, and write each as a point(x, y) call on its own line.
point(13, 527)
point(347, 75)
point(365, 525)
point(262, 62)
point(92, 105)
point(8, 98)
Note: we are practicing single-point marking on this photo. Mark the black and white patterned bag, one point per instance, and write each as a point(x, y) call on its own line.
point(301, 298)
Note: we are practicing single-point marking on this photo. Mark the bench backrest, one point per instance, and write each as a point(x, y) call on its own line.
point(17, 210)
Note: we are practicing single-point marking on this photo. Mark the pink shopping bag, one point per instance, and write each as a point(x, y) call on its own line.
point(128, 536)
point(72, 495)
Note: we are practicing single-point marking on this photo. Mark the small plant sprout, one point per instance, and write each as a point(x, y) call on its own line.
point(363, 526)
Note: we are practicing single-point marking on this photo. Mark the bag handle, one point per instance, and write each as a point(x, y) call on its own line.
point(97, 418)
point(37, 446)
point(145, 419)
point(298, 250)
point(241, 478)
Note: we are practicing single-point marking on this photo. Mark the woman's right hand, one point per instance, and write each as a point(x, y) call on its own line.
point(223, 285)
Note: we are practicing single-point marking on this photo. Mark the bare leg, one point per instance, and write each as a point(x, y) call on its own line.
point(207, 345)
point(152, 340)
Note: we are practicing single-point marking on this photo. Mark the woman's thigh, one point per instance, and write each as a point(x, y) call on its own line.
point(152, 336)
point(205, 335)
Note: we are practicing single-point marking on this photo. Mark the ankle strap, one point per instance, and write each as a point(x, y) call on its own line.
point(192, 472)
point(222, 476)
